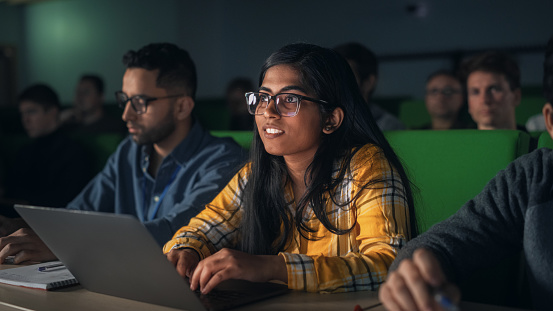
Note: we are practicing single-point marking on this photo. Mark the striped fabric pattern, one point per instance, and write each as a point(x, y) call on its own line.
point(327, 262)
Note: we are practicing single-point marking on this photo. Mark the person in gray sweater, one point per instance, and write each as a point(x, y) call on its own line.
point(513, 213)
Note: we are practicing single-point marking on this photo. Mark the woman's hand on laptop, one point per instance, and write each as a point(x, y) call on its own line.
point(185, 261)
point(232, 264)
point(25, 245)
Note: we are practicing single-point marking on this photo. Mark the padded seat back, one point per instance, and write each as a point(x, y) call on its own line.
point(451, 167)
point(413, 113)
point(243, 138)
point(544, 140)
point(529, 106)
point(100, 146)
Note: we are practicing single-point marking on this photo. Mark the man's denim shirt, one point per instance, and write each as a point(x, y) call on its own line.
point(124, 186)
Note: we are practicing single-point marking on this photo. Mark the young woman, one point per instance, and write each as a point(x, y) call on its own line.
point(324, 203)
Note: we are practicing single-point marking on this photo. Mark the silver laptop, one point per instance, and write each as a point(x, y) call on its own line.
point(116, 255)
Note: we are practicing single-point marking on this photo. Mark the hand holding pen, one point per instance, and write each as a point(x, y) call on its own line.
point(419, 284)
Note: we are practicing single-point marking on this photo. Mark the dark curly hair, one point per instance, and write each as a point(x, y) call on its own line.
point(176, 68)
point(495, 62)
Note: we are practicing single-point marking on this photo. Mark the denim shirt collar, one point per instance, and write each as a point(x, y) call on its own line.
point(182, 152)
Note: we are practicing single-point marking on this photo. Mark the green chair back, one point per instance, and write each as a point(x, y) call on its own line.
point(544, 140)
point(451, 167)
point(213, 114)
point(243, 138)
point(413, 114)
point(100, 146)
point(529, 106)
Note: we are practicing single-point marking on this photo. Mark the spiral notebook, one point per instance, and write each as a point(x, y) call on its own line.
point(45, 276)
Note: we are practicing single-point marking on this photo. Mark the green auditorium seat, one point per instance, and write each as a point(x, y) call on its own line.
point(529, 106)
point(451, 167)
point(243, 138)
point(545, 140)
point(100, 146)
point(213, 114)
point(413, 114)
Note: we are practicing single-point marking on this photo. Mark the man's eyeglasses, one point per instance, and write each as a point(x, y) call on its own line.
point(138, 102)
point(445, 91)
point(286, 104)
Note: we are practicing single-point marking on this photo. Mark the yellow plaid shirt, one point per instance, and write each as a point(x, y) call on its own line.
point(358, 260)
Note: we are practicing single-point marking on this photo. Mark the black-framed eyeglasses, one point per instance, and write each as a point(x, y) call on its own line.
point(286, 104)
point(138, 102)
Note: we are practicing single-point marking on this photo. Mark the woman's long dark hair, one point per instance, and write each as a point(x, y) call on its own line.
point(267, 221)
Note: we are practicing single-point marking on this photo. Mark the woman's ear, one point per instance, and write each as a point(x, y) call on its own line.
point(183, 107)
point(333, 121)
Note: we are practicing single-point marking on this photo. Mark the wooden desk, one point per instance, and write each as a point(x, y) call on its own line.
point(465, 306)
point(78, 298)
point(14, 298)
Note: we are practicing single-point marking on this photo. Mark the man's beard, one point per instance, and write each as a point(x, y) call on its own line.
point(154, 135)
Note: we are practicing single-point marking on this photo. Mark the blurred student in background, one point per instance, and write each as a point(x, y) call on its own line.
point(324, 203)
point(444, 100)
point(240, 118)
point(364, 64)
point(513, 213)
point(493, 90)
point(88, 114)
point(52, 168)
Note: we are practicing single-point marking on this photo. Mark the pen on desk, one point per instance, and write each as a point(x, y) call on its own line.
point(50, 267)
point(444, 301)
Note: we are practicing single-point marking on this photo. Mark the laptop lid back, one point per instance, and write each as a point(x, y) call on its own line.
point(111, 254)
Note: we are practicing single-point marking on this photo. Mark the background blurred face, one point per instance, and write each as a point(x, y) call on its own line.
point(87, 97)
point(158, 122)
point(36, 120)
point(367, 85)
point(298, 136)
point(237, 102)
point(491, 101)
point(444, 97)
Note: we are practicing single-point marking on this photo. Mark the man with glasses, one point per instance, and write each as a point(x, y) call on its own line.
point(444, 100)
point(168, 168)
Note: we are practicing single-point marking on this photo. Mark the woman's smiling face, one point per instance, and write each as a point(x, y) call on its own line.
point(298, 136)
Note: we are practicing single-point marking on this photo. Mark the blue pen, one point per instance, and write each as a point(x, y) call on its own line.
point(445, 301)
point(50, 267)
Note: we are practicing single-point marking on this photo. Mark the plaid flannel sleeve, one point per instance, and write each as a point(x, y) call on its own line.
point(215, 227)
point(380, 230)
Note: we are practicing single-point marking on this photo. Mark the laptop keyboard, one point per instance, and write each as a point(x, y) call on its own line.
point(220, 299)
